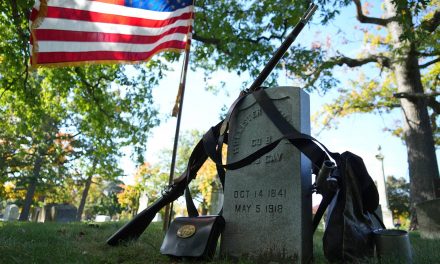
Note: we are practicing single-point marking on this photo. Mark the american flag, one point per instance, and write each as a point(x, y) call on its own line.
point(72, 32)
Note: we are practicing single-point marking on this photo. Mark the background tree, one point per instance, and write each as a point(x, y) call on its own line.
point(149, 180)
point(398, 191)
point(206, 180)
point(403, 46)
point(104, 198)
point(110, 110)
point(100, 109)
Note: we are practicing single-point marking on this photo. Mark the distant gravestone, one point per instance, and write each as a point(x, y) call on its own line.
point(41, 215)
point(268, 205)
point(44, 213)
point(143, 202)
point(102, 218)
point(32, 214)
point(11, 213)
point(157, 218)
point(63, 213)
point(216, 200)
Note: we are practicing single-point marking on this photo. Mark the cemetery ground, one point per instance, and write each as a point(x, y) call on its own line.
point(30, 242)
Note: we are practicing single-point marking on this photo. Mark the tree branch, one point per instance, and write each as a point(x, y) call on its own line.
point(435, 106)
point(370, 20)
point(428, 54)
point(205, 40)
point(416, 95)
point(430, 63)
point(220, 44)
point(431, 24)
point(350, 62)
point(90, 89)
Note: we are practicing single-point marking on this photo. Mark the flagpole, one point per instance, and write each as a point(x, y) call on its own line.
point(177, 108)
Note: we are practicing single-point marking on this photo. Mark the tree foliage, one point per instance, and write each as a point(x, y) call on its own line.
point(379, 93)
point(149, 180)
point(206, 180)
point(57, 121)
point(398, 196)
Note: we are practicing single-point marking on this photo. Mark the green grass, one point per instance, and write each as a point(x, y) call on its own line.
point(83, 243)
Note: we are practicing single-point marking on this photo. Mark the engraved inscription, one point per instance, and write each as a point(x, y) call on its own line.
point(275, 157)
point(268, 201)
point(243, 208)
point(242, 126)
point(256, 142)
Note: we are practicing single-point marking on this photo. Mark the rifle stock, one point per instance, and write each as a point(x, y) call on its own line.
point(136, 226)
point(133, 229)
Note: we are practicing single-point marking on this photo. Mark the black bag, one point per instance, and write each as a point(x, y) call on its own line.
point(348, 234)
point(193, 237)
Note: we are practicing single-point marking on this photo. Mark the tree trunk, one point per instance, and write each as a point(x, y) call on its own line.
point(422, 160)
point(85, 193)
point(204, 207)
point(84, 198)
point(24, 216)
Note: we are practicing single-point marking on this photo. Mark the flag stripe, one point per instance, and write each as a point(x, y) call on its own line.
point(83, 26)
point(110, 9)
point(65, 35)
point(76, 46)
point(113, 2)
point(63, 13)
point(96, 56)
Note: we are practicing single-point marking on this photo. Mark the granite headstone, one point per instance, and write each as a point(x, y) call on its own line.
point(143, 202)
point(11, 212)
point(268, 204)
point(63, 213)
point(102, 218)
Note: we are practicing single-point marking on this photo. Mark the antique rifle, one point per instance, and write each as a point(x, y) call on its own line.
point(135, 227)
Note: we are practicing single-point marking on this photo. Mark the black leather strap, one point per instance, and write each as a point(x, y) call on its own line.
point(307, 146)
point(326, 200)
point(305, 143)
point(190, 207)
point(196, 160)
point(223, 136)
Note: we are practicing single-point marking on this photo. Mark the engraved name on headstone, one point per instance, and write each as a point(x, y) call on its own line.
point(267, 205)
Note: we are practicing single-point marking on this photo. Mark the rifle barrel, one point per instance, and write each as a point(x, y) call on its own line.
point(283, 48)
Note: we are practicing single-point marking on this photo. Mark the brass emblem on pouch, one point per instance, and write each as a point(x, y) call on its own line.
point(186, 231)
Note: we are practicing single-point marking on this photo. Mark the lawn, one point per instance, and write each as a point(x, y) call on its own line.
point(84, 243)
